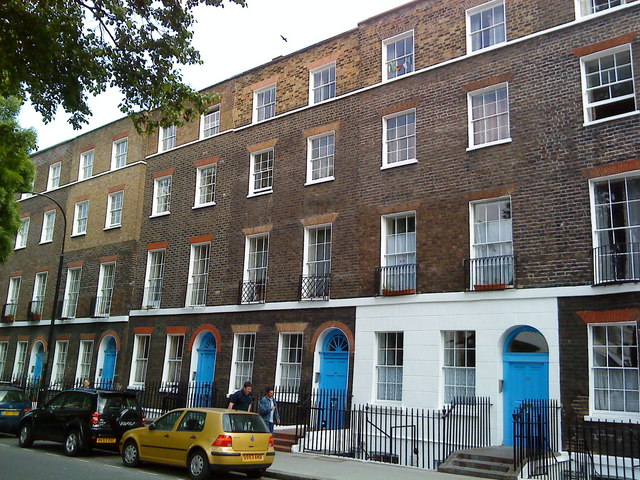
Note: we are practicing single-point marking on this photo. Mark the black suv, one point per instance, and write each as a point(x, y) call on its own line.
point(82, 419)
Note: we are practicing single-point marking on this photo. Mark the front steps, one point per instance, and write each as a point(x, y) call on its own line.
point(491, 462)
point(284, 439)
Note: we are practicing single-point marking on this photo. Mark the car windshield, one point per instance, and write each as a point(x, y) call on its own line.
point(117, 402)
point(13, 396)
point(238, 422)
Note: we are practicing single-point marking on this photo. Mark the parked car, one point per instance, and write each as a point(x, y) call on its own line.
point(14, 403)
point(204, 440)
point(82, 419)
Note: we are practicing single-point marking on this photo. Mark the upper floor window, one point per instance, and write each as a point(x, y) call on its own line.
point(198, 275)
point(459, 364)
point(323, 83)
point(86, 165)
point(261, 172)
point(486, 26)
point(48, 224)
point(141, 348)
point(389, 366)
point(398, 272)
point(161, 195)
point(39, 292)
point(399, 132)
point(80, 218)
point(153, 280)
point(119, 153)
point(616, 235)
point(114, 209)
point(206, 185)
point(317, 263)
point(173, 358)
point(54, 176)
point(23, 233)
point(106, 282)
point(614, 366)
point(397, 55)
point(255, 269)
point(588, 7)
point(489, 116)
point(12, 297)
point(608, 89)
point(264, 101)
point(85, 354)
point(167, 138)
point(210, 122)
point(71, 292)
point(320, 157)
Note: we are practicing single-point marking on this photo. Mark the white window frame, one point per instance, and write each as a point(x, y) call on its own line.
point(60, 362)
point(80, 218)
point(71, 292)
point(314, 87)
point(198, 275)
point(470, 389)
point(329, 151)
point(478, 10)
point(115, 205)
point(389, 358)
point(319, 288)
point(406, 137)
point(585, 8)
point(262, 175)
point(173, 356)
point(387, 67)
point(149, 300)
point(20, 362)
point(250, 269)
point(157, 185)
point(119, 157)
point(200, 187)
point(48, 224)
point(140, 360)
point(13, 294)
point(53, 181)
point(589, 106)
point(246, 342)
point(471, 120)
point(384, 237)
point(601, 413)
point(210, 122)
point(85, 359)
point(23, 233)
point(40, 288)
point(260, 108)
point(289, 359)
point(4, 350)
point(86, 164)
point(106, 286)
point(167, 138)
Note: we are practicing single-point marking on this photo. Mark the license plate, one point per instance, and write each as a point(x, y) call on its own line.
point(252, 456)
point(105, 440)
point(10, 413)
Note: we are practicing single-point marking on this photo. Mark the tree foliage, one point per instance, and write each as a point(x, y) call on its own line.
point(59, 52)
point(16, 170)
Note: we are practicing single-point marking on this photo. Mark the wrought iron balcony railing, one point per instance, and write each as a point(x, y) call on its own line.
point(9, 311)
point(490, 273)
point(70, 305)
point(315, 287)
point(396, 279)
point(102, 307)
point(253, 292)
point(35, 309)
point(616, 263)
point(197, 294)
point(153, 295)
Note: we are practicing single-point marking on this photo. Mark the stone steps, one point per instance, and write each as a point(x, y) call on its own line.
point(493, 462)
point(284, 440)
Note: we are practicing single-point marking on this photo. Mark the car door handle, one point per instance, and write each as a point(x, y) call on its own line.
point(193, 437)
point(166, 435)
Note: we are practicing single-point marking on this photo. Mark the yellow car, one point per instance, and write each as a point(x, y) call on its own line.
point(203, 440)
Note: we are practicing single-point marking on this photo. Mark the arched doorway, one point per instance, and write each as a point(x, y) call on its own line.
point(108, 352)
point(526, 373)
point(36, 361)
point(334, 371)
point(205, 371)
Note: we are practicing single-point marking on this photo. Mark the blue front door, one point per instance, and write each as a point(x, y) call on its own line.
point(109, 365)
point(526, 374)
point(37, 369)
point(334, 369)
point(205, 371)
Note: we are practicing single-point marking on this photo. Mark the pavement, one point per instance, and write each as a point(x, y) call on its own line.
point(304, 466)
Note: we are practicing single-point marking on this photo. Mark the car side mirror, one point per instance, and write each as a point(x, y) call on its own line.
point(152, 426)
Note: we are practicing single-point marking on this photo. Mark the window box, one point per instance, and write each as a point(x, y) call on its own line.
point(495, 286)
point(393, 292)
point(8, 319)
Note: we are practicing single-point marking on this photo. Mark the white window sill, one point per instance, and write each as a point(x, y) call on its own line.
point(320, 180)
point(490, 144)
point(608, 119)
point(136, 386)
point(486, 49)
point(312, 103)
point(203, 137)
point(163, 214)
point(587, 16)
point(387, 166)
point(45, 242)
point(78, 234)
point(20, 248)
point(112, 227)
point(257, 194)
point(203, 205)
point(612, 417)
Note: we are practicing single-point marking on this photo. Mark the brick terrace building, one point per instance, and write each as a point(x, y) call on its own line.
point(443, 201)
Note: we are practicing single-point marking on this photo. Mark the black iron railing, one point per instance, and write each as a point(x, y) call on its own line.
point(69, 306)
point(197, 294)
point(152, 295)
point(35, 309)
point(253, 292)
point(102, 306)
point(315, 287)
point(396, 279)
point(9, 312)
point(490, 273)
point(536, 424)
point(615, 263)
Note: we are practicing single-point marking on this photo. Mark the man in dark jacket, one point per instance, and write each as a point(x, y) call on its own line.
point(241, 400)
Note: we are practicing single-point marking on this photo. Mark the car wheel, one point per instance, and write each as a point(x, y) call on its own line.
point(130, 454)
point(255, 473)
point(25, 435)
point(72, 443)
point(198, 465)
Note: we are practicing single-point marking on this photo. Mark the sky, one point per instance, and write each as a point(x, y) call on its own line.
point(232, 40)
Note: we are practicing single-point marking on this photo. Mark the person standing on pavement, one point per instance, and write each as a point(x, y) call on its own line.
point(268, 408)
point(242, 399)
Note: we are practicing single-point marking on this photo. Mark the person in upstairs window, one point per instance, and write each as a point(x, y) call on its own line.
point(241, 400)
point(268, 408)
